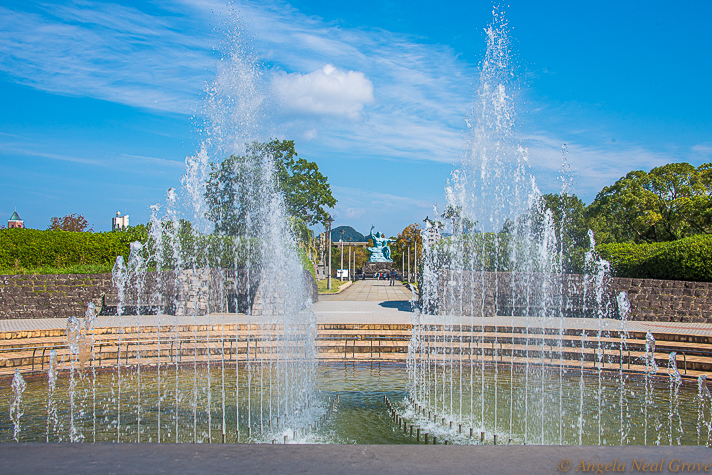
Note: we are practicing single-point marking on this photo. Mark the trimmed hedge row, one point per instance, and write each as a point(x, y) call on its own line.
point(32, 248)
point(685, 259)
point(69, 252)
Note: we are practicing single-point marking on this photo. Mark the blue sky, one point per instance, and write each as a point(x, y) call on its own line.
point(102, 102)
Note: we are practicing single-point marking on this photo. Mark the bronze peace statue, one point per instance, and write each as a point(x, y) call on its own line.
point(380, 252)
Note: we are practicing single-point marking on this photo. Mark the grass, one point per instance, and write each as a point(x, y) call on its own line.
point(77, 269)
point(335, 283)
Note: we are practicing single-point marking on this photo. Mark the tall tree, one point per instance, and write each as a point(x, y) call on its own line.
point(568, 218)
point(407, 239)
point(238, 186)
point(71, 222)
point(668, 203)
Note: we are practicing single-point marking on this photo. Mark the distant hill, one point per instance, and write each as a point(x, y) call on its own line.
point(349, 232)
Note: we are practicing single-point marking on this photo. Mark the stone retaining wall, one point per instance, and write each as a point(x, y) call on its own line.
point(188, 292)
point(474, 293)
point(667, 300)
point(51, 296)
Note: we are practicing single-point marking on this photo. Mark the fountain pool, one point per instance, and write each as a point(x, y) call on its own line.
point(172, 410)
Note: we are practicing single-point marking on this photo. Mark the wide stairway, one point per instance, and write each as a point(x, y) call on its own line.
point(360, 327)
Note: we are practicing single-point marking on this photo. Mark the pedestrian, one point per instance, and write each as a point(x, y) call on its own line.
point(393, 278)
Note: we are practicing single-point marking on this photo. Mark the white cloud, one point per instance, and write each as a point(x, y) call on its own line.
point(326, 91)
point(354, 213)
point(703, 149)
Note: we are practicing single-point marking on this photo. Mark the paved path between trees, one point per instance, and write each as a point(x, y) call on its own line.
point(371, 302)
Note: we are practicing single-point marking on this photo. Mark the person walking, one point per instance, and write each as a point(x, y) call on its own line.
point(393, 278)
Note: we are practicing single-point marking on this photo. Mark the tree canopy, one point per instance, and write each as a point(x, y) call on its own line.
point(668, 203)
point(238, 186)
point(568, 215)
point(70, 222)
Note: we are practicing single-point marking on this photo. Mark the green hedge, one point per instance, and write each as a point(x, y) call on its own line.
point(46, 252)
point(32, 248)
point(684, 259)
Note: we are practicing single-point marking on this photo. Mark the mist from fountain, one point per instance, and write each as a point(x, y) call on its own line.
point(270, 393)
point(509, 263)
point(16, 410)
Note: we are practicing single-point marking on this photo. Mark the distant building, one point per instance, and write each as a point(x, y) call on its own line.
point(15, 221)
point(431, 233)
point(119, 222)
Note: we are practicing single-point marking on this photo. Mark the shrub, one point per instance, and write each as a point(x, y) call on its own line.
point(32, 248)
point(685, 259)
point(52, 251)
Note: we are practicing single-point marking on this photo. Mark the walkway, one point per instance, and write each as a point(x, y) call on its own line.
point(371, 291)
point(178, 459)
point(366, 302)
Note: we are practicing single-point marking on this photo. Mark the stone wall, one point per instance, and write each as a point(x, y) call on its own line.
point(274, 298)
point(667, 300)
point(474, 293)
point(51, 296)
point(188, 292)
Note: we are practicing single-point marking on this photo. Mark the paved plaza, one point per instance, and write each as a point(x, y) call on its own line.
point(347, 459)
point(371, 291)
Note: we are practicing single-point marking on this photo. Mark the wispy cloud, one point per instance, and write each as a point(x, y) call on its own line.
point(161, 162)
point(382, 94)
point(122, 161)
point(106, 51)
point(362, 208)
point(409, 97)
point(54, 156)
point(593, 166)
point(703, 149)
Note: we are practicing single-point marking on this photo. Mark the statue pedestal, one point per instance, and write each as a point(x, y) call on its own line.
point(370, 268)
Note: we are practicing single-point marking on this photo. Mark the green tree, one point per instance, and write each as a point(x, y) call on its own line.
point(71, 222)
point(407, 239)
point(306, 240)
point(307, 192)
point(460, 224)
point(238, 186)
point(359, 256)
point(568, 214)
point(669, 203)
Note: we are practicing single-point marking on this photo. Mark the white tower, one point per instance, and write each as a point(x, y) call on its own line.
point(119, 222)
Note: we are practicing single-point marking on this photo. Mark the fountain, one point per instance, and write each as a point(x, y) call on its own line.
point(499, 343)
point(184, 366)
point(214, 338)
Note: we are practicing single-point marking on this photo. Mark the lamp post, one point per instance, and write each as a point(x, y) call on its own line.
point(350, 246)
point(329, 222)
point(402, 259)
point(341, 271)
point(415, 260)
point(409, 260)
